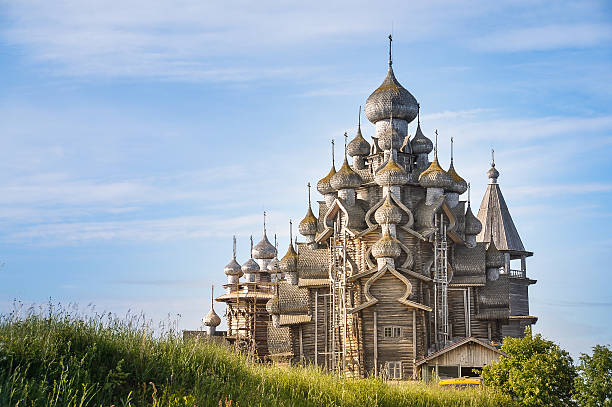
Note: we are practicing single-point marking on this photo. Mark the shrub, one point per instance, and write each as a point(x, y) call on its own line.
point(536, 371)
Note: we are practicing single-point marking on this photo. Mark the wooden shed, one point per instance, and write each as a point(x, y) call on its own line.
point(458, 359)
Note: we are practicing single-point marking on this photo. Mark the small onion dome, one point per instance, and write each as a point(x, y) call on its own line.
point(274, 266)
point(324, 185)
point(459, 184)
point(391, 174)
point(233, 268)
point(272, 306)
point(308, 225)
point(391, 95)
point(264, 249)
point(493, 174)
point(250, 266)
point(345, 178)
point(386, 246)
point(388, 213)
point(472, 224)
point(289, 262)
point(420, 143)
point(211, 319)
point(358, 146)
point(435, 177)
point(494, 258)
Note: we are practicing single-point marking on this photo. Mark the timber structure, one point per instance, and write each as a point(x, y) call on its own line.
point(395, 272)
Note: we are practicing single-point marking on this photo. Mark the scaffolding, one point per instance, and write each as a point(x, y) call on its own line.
point(440, 283)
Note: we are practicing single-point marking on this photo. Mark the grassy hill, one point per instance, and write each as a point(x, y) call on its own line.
point(58, 359)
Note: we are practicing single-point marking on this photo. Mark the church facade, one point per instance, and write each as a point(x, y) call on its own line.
point(393, 270)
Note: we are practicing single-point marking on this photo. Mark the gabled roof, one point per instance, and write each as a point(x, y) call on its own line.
point(458, 344)
point(495, 216)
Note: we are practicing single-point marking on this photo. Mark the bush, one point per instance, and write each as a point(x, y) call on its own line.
point(537, 372)
point(594, 383)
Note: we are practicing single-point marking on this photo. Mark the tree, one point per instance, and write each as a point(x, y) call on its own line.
point(594, 383)
point(536, 371)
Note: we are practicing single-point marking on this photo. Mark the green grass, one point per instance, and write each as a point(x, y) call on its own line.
point(61, 358)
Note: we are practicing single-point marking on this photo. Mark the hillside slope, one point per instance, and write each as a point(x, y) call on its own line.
point(61, 360)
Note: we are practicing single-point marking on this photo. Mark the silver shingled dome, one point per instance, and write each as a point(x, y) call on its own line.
point(391, 98)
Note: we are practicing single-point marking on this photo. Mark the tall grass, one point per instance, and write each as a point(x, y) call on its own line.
point(60, 357)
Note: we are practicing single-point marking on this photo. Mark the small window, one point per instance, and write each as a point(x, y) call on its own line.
point(388, 332)
point(392, 332)
point(394, 370)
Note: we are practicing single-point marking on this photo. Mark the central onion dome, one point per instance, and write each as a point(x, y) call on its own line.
point(211, 319)
point(345, 178)
point(435, 177)
point(264, 249)
point(358, 146)
point(388, 213)
point(386, 246)
point(391, 174)
point(391, 99)
point(494, 258)
point(472, 224)
point(420, 143)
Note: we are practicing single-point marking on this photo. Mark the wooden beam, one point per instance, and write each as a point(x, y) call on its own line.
point(414, 343)
point(316, 328)
point(375, 345)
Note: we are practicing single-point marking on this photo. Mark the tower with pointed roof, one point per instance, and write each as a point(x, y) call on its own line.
point(395, 270)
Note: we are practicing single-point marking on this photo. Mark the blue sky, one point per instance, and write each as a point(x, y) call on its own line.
point(137, 136)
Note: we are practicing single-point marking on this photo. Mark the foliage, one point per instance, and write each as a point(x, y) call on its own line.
point(63, 358)
point(594, 383)
point(536, 371)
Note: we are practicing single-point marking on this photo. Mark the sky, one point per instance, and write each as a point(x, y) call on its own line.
point(136, 137)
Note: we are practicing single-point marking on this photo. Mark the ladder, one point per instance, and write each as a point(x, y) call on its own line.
point(440, 283)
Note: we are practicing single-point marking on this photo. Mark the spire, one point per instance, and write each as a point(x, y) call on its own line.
point(251, 246)
point(359, 119)
point(333, 154)
point(308, 185)
point(275, 242)
point(493, 174)
point(212, 297)
point(290, 231)
point(264, 231)
point(345, 142)
point(234, 247)
point(451, 151)
point(469, 190)
point(436, 147)
point(390, 48)
point(419, 114)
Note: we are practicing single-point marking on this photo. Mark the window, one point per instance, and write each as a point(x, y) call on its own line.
point(392, 332)
point(394, 370)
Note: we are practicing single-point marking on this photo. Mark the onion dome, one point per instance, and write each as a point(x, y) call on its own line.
point(459, 184)
point(391, 174)
point(289, 262)
point(345, 178)
point(211, 319)
point(272, 306)
point(434, 176)
point(420, 143)
point(324, 186)
point(493, 174)
point(308, 225)
point(264, 249)
point(386, 246)
point(358, 146)
point(250, 266)
point(494, 258)
point(391, 99)
point(472, 224)
point(233, 268)
point(274, 266)
point(388, 213)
